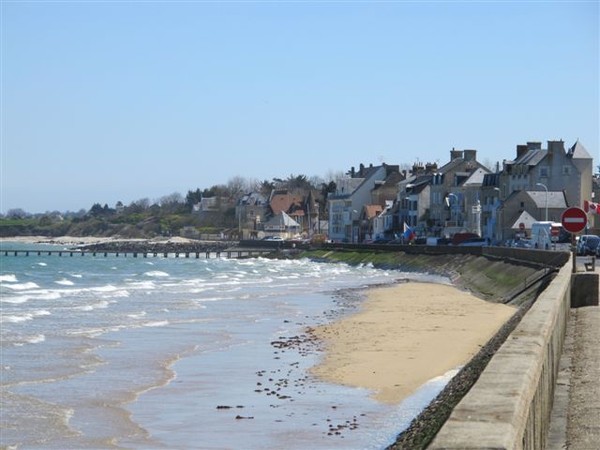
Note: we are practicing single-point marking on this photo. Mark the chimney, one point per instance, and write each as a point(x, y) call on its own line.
point(470, 155)
point(361, 171)
point(521, 150)
point(534, 146)
point(431, 167)
point(455, 154)
point(555, 147)
point(352, 172)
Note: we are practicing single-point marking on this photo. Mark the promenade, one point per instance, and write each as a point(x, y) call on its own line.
point(575, 421)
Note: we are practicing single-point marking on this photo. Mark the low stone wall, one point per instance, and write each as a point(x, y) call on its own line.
point(509, 406)
point(540, 257)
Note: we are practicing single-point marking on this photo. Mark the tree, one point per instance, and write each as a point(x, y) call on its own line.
point(17, 213)
point(192, 198)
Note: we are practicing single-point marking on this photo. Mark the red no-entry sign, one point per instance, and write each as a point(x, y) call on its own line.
point(574, 220)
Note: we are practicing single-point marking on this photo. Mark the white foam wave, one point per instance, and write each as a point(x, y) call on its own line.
point(142, 285)
point(15, 319)
point(100, 305)
point(42, 264)
point(117, 294)
point(158, 323)
point(107, 288)
point(22, 286)
point(64, 282)
point(76, 275)
point(156, 273)
point(9, 278)
point(36, 339)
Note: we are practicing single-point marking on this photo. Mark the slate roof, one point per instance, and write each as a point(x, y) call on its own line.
point(524, 218)
point(578, 151)
point(556, 199)
point(530, 157)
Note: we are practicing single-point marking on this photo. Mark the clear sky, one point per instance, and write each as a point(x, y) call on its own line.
point(106, 101)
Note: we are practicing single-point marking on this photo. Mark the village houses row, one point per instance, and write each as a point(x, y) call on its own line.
point(463, 195)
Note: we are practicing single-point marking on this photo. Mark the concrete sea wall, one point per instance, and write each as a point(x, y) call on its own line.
point(509, 406)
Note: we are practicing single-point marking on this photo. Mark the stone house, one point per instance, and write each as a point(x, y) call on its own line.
point(551, 169)
point(352, 193)
point(453, 192)
point(521, 208)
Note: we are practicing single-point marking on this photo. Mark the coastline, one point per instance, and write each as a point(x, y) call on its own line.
point(406, 334)
point(90, 240)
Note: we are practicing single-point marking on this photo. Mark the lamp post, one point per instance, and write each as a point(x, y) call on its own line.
point(546, 189)
point(449, 205)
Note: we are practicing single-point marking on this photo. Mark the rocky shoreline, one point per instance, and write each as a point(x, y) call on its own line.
point(115, 244)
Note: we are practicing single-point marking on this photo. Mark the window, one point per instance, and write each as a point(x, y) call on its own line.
point(544, 172)
point(566, 170)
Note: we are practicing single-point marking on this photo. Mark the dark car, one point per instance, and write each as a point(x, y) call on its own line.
point(588, 244)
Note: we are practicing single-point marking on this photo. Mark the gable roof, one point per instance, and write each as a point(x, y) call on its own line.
point(281, 220)
point(556, 199)
point(524, 218)
point(372, 210)
point(531, 157)
point(476, 177)
point(578, 151)
point(282, 201)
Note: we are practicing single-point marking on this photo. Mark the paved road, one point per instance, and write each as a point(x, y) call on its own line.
point(575, 422)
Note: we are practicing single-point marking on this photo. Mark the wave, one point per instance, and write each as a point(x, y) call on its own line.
point(100, 305)
point(35, 339)
point(64, 282)
point(22, 286)
point(24, 317)
point(157, 323)
point(156, 273)
point(10, 278)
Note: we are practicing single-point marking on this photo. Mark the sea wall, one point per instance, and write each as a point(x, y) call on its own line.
point(509, 406)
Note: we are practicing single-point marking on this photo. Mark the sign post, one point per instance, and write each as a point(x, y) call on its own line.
point(574, 220)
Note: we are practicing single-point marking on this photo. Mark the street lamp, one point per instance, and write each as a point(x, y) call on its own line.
point(448, 204)
point(546, 189)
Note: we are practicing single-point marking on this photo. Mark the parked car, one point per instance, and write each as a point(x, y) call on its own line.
point(474, 242)
point(588, 244)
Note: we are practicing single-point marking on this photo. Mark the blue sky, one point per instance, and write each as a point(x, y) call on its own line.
point(118, 101)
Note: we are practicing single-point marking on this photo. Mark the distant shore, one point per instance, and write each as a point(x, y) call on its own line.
point(115, 244)
point(89, 240)
point(406, 334)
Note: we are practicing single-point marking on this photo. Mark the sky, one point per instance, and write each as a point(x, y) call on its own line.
point(107, 101)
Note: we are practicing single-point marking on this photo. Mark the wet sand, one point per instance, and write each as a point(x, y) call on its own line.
point(405, 335)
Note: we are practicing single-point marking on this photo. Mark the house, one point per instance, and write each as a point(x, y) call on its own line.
point(552, 169)
point(521, 208)
point(453, 192)
point(251, 210)
point(414, 200)
point(282, 225)
point(352, 193)
point(369, 229)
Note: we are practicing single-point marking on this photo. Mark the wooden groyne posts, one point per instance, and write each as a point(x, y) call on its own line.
point(229, 254)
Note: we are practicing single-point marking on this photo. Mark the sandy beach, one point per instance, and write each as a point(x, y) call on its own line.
point(405, 335)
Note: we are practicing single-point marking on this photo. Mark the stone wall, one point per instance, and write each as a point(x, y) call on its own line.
point(509, 407)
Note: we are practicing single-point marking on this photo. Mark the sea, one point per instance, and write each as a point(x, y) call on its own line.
point(182, 353)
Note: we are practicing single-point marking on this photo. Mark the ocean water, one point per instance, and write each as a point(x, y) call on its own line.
point(175, 353)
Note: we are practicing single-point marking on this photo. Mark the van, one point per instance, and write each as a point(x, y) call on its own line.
point(542, 232)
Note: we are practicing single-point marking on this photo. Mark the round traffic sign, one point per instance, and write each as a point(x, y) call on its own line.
point(574, 219)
